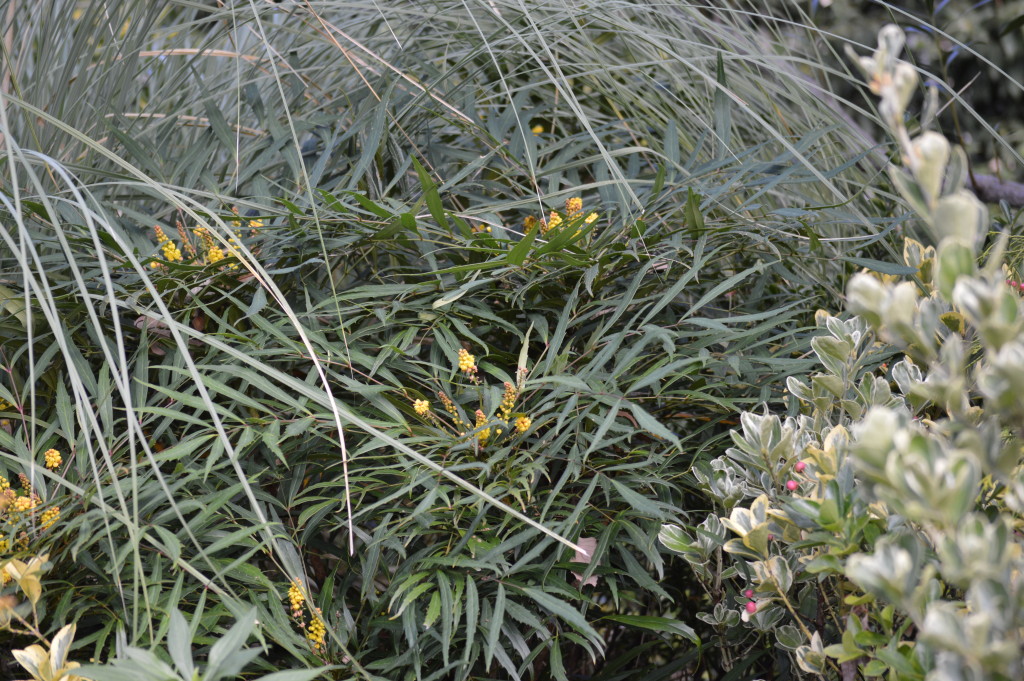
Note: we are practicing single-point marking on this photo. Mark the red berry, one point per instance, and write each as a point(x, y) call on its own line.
point(751, 607)
point(771, 537)
point(800, 466)
point(749, 593)
point(792, 485)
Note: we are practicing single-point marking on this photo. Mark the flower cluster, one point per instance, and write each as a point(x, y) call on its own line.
point(484, 435)
point(573, 215)
point(170, 250)
point(52, 458)
point(511, 422)
point(296, 599)
point(508, 401)
point(467, 362)
point(20, 508)
point(200, 247)
point(316, 631)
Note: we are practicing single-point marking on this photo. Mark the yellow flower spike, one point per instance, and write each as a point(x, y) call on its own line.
point(214, 254)
point(467, 362)
point(185, 241)
point(206, 239)
point(421, 407)
point(296, 599)
point(52, 458)
point(161, 237)
point(523, 424)
point(590, 218)
point(537, 129)
point(508, 401)
point(484, 435)
point(449, 407)
point(529, 222)
point(317, 632)
point(50, 517)
point(554, 220)
point(573, 206)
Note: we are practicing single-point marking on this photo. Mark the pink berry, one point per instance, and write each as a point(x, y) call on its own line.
point(771, 537)
point(751, 607)
point(792, 485)
point(800, 466)
point(749, 593)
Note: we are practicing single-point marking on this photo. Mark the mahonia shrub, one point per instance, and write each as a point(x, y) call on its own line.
point(872, 531)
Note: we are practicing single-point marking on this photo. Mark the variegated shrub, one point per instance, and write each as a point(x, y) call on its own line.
point(874, 530)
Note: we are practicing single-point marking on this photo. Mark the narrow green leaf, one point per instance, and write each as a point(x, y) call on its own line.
point(433, 610)
point(517, 256)
point(694, 217)
point(494, 628)
point(662, 624)
point(431, 196)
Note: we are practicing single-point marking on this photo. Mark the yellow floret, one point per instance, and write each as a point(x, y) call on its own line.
point(590, 218)
point(22, 504)
point(316, 633)
point(49, 517)
point(171, 252)
point(52, 458)
point(467, 362)
point(421, 407)
point(523, 424)
point(214, 254)
point(573, 206)
point(554, 220)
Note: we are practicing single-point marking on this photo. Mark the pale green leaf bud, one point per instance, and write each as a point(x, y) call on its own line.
point(929, 159)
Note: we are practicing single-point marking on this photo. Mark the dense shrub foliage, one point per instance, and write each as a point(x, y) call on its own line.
point(380, 340)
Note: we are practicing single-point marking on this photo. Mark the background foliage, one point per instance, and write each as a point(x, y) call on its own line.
point(232, 427)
